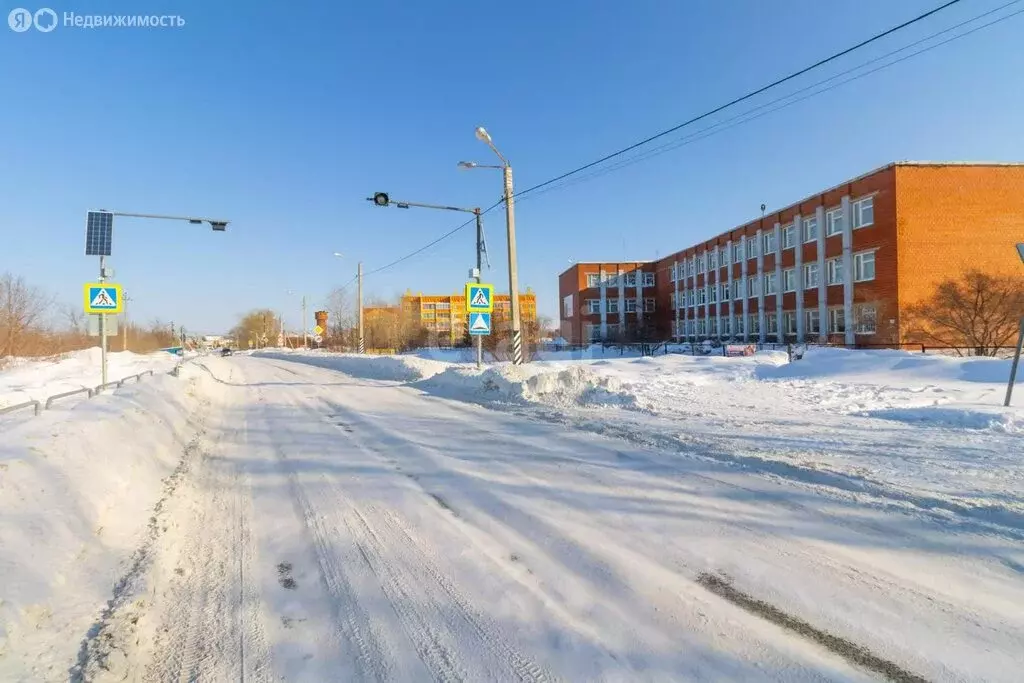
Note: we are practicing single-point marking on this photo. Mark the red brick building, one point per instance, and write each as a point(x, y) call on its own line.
point(840, 266)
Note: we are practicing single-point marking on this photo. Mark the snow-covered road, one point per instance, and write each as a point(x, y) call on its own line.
point(330, 528)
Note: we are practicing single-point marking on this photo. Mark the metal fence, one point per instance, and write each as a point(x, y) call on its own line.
point(39, 406)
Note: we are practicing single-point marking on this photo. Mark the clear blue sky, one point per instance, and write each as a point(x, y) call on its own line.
point(282, 117)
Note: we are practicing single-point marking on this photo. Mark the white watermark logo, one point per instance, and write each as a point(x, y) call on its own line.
point(45, 20)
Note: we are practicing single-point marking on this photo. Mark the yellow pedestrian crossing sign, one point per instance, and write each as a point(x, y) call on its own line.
point(102, 297)
point(479, 298)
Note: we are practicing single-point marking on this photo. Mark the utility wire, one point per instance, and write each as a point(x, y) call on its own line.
point(720, 108)
point(745, 117)
point(743, 98)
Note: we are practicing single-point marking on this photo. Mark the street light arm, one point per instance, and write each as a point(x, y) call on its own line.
point(428, 206)
point(190, 219)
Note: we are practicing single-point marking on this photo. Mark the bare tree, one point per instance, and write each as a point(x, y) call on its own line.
point(255, 326)
point(74, 318)
point(22, 309)
point(979, 312)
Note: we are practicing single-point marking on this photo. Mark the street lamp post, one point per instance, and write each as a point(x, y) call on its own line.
point(1020, 345)
point(510, 223)
point(382, 199)
point(218, 225)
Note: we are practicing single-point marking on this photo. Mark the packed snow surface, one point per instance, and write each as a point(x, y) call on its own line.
point(304, 516)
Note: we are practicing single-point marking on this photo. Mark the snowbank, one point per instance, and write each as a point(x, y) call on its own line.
point(27, 379)
point(389, 368)
point(77, 491)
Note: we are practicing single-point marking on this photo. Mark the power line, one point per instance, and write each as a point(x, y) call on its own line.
point(743, 98)
point(718, 109)
point(744, 117)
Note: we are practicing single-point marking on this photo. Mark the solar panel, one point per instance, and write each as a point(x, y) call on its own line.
point(99, 228)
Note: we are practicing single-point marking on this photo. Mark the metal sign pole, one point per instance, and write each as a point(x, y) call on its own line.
point(103, 329)
point(1016, 361)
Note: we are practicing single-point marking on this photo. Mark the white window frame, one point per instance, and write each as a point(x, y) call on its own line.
point(859, 261)
point(612, 305)
point(593, 307)
point(726, 325)
point(834, 270)
point(752, 247)
point(712, 260)
point(737, 295)
point(834, 316)
point(593, 280)
point(771, 284)
point(702, 326)
point(860, 208)
point(567, 311)
point(649, 304)
point(630, 279)
point(806, 225)
point(712, 294)
point(713, 327)
point(770, 247)
point(771, 322)
point(630, 305)
point(753, 287)
point(789, 322)
point(648, 279)
point(737, 252)
point(724, 292)
point(811, 276)
point(755, 320)
point(789, 280)
point(702, 296)
point(812, 321)
point(788, 236)
point(862, 327)
point(592, 332)
point(833, 222)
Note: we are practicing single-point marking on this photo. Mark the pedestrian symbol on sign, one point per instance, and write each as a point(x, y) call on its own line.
point(103, 300)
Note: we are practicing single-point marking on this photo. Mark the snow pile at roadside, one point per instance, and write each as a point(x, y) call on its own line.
point(30, 379)
point(536, 382)
point(388, 368)
point(78, 488)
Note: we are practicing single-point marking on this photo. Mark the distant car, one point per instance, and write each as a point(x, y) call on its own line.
point(225, 351)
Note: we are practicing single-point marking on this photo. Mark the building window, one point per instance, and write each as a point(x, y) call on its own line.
point(611, 280)
point(863, 212)
point(788, 237)
point(712, 294)
point(714, 326)
point(675, 268)
point(753, 287)
point(755, 324)
point(612, 305)
point(690, 268)
point(428, 307)
point(812, 321)
point(593, 306)
point(725, 291)
point(649, 305)
point(833, 222)
point(811, 276)
point(593, 280)
point(444, 306)
point(630, 305)
point(737, 253)
point(751, 248)
point(567, 307)
point(631, 279)
point(836, 321)
point(701, 262)
point(593, 332)
point(769, 242)
point(648, 279)
point(702, 326)
point(835, 271)
point(712, 260)
point(789, 322)
point(771, 323)
point(864, 266)
point(867, 320)
point(702, 296)
point(736, 290)
point(810, 229)
point(771, 283)
point(427, 315)
point(789, 280)
point(613, 330)
point(727, 325)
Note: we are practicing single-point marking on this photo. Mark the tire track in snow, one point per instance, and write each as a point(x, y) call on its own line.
point(420, 610)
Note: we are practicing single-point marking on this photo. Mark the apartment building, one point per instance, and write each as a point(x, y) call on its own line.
point(841, 266)
point(444, 316)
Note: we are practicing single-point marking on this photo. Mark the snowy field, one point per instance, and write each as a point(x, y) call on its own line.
point(27, 379)
point(303, 516)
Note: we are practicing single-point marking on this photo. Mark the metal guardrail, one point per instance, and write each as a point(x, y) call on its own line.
point(19, 406)
point(66, 394)
point(38, 406)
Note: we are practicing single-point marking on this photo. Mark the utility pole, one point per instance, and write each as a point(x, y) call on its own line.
point(362, 342)
point(513, 271)
point(305, 328)
point(479, 279)
point(124, 332)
